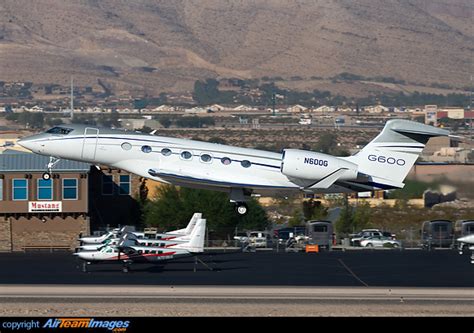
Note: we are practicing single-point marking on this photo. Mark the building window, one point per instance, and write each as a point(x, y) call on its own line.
point(107, 185)
point(124, 185)
point(20, 189)
point(1, 189)
point(45, 189)
point(70, 189)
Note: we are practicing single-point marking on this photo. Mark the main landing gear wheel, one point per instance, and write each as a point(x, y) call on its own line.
point(46, 176)
point(241, 208)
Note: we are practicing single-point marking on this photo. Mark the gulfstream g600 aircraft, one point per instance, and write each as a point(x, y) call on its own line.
point(241, 172)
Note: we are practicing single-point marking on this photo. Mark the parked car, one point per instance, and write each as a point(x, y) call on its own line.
point(284, 234)
point(364, 234)
point(380, 241)
point(241, 236)
point(259, 239)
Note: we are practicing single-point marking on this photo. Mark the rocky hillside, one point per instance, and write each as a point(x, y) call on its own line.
point(151, 45)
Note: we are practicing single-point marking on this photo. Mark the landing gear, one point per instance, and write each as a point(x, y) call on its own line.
point(241, 208)
point(238, 196)
point(84, 266)
point(126, 267)
point(52, 162)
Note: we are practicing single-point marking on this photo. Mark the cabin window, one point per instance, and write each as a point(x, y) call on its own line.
point(126, 146)
point(146, 149)
point(70, 189)
point(124, 185)
point(59, 130)
point(245, 164)
point(206, 158)
point(45, 189)
point(153, 252)
point(160, 252)
point(166, 152)
point(186, 155)
point(20, 189)
point(226, 160)
point(147, 251)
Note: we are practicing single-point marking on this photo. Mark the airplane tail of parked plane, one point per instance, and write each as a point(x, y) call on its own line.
point(196, 241)
point(189, 228)
point(388, 158)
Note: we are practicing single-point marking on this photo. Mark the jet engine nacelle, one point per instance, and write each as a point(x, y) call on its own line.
point(310, 165)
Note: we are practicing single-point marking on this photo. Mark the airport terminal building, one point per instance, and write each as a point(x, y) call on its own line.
point(50, 214)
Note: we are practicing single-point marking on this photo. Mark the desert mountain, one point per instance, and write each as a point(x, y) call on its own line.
point(147, 45)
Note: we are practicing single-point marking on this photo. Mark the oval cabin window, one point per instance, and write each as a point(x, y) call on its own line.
point(226, 160)
point(126, 146)
point(146, 149)
point(186, 155)
point(166, 152)
point(206, 158)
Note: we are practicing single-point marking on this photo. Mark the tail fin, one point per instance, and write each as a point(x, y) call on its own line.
point(388, 158)
point(189, 228)
point(196, 241)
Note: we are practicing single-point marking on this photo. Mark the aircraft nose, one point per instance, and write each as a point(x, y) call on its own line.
point(32, 142)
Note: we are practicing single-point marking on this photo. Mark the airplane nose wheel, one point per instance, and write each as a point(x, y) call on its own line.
point(241, 208)
point(46, 176)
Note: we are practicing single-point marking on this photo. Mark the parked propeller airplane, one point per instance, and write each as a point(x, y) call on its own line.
point(126, 253)
point(112, 237)
point(241, 172)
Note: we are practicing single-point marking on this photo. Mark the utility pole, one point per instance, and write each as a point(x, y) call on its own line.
point(273, 101)
point(72, 98)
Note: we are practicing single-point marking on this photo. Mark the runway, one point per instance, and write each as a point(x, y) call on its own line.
point(79, 300)
point(351, 283)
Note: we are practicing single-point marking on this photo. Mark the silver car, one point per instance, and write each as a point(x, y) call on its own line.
point(380, 241)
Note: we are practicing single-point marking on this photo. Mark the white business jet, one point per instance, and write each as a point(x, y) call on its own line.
point(127, 254)
point(241, 172)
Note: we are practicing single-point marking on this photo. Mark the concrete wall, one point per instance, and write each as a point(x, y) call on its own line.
point(5, 235)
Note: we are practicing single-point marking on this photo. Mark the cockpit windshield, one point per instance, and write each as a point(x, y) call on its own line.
point(59, 130)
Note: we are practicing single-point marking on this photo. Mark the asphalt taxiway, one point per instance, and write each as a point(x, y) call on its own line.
point(351, 283)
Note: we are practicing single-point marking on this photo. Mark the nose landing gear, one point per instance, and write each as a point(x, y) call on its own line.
point(52, 162)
